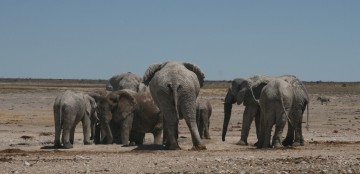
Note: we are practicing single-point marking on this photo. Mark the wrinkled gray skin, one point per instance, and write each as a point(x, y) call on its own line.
point(69, 109)
point(175, 87)
point(281, 101)
point(240, 92)
point(203, 114)
point(128, 115)
point(247, 91)
point(125, 81)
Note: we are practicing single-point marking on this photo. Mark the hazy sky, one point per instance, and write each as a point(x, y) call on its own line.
point(312, 39)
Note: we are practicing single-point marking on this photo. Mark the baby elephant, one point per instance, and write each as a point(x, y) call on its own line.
point(323, 99)
point(203, 114)
point(69, 109)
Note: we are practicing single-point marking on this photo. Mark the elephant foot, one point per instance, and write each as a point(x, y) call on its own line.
point(172, 147)
point(199, 147)
point(298, 144)
point(277, 145)
point(255, 144)
point(68, 146)
point(87, 143)
point(242, 143)
point(132, 143)
point(287, 142)
point(57, 146)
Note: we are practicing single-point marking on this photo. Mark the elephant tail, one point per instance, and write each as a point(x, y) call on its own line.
point(283, 106)
point(174, 90)
point(307, 116)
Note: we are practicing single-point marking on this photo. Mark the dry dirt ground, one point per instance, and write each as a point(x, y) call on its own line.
point(27, 134)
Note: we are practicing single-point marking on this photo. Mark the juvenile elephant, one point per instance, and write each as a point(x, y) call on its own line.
point(128, 115)
point(175, 87)
point(281, 101)
point(203, 114)
point(69, 109)
point(243, 90)
point(125, 81)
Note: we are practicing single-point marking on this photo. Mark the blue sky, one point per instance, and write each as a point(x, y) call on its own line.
point(314, 40)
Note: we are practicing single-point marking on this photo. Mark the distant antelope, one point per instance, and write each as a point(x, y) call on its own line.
point(323, 100)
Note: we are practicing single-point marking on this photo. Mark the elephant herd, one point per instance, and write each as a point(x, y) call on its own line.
point(168, 92)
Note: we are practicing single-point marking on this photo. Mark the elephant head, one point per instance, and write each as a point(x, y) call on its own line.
point(242, 90)
point(117, 110)
point(125, 81)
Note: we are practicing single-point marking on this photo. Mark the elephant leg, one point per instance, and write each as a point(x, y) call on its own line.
point(190, 119)
point(288, 141)
point(125, 129)
point(171, 136)
point(97, 135)
point(58, 126)
point(257, 123)
point(279, 127)
point(72, 134)
point(299, 139)
point(66, 137)
point(261, 135)
point(136, 138)
point(248, 117)
point(116, 132)
point(200, 124)
point(57, 143)
point(86, 130)
point(268, 120)
point(157, 137)
point(207, 127)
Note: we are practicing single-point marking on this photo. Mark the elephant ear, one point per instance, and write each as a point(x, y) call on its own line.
point(116, 97)
point(90, 104)
point(258, 85)
point(150, 72)
point(229, 98)
point(194, 68)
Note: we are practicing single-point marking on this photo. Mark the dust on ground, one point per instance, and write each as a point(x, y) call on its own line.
point(27, 134)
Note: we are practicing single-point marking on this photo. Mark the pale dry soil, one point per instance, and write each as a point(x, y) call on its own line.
point(27, 134)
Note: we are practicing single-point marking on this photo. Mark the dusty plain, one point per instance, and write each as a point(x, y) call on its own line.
point(27, 134)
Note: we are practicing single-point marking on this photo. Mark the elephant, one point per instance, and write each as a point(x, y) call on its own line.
point(128, 115)
point(247, 91)
point(240, 92)
point(175, 86)
point(125, 81)
point(69, 109)
point(281, 101)
point(203, 114)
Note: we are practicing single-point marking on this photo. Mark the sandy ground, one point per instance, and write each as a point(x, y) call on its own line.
point(27, 133)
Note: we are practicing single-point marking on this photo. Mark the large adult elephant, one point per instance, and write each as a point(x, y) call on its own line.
point(281, 101)
point(247, 91)
point(126, 80)
point(203, 114)
point(128, 115)
point(69, 109)
point(175, 87)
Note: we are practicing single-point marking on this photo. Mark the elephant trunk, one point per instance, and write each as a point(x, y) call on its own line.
point(227, 116)
point(109, 136)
